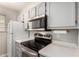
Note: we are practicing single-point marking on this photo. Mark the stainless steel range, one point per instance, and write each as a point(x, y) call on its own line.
point(30, 48)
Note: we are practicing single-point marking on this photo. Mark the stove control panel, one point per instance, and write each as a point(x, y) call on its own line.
point(47, 36)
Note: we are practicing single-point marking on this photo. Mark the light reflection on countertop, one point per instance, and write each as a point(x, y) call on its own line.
point(59, 50)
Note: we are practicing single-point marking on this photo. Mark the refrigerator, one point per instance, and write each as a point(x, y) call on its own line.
point(15, 31)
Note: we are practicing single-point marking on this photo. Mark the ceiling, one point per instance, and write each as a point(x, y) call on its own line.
point(16, 6)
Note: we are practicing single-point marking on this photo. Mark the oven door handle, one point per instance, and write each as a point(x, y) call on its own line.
point(28, 52)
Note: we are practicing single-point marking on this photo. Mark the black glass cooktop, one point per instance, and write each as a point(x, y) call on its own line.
point(33, 45)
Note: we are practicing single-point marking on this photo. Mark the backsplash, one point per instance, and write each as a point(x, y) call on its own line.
point(71, 36)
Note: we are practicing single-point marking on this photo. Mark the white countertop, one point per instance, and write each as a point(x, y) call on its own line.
point(58, 50)
point(22, 40)
point(19, 41)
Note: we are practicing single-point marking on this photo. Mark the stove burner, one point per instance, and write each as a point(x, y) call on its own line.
point(32, 45)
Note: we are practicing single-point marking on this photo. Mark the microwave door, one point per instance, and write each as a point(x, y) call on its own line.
point(42, 23)
point(36, 24)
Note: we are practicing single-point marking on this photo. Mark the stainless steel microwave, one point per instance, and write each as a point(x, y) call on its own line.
point(38, 23)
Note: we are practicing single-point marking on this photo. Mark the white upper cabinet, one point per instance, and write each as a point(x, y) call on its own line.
point(40, 9)
point(36, 11)
point(61, 14)
point(32, 13)
point(78, 12)
point(25, 19)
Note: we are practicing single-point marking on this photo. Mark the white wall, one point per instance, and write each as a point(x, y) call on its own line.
point(10, 15)
point(3, 46)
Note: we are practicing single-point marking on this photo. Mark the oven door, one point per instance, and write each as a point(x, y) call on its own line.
point(26, 52)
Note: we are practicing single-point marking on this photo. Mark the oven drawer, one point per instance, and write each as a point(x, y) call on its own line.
point(18, 52)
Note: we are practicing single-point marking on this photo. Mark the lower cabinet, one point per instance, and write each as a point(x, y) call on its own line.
point(18, 52)
point(41, 55)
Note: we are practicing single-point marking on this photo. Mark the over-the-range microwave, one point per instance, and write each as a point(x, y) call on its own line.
point(38, 23)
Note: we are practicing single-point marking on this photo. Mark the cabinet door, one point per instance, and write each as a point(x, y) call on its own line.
point(25, 19)
point(40, 9)
point(32, 13)
point(18, 52)
point(78, 13)
point(61, 14)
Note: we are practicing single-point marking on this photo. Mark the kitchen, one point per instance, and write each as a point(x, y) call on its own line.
point(39, 29)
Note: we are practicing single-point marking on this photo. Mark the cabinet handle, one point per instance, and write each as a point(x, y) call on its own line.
point(76, 13)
